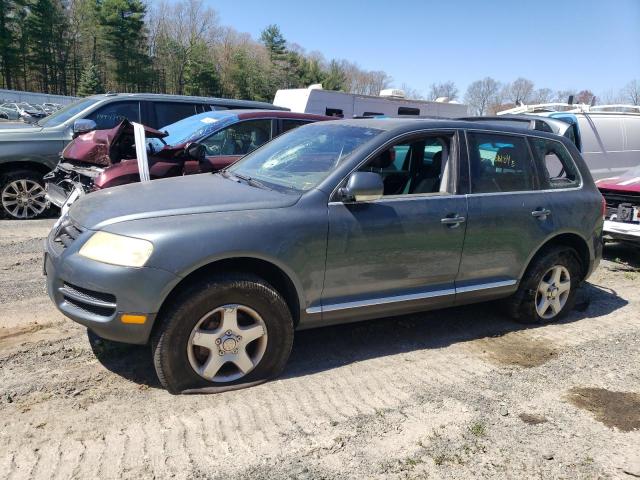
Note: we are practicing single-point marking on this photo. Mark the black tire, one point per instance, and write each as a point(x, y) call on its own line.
point(521, 306)
point(170, 341)
point(29, 175)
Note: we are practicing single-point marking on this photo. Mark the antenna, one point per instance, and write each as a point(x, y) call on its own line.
point(593, 101)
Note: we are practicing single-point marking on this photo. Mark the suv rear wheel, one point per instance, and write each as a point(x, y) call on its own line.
point(231, 333)
point(547, 291)
point(22, 195)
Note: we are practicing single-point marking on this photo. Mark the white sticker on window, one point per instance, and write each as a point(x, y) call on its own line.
point(208, 120)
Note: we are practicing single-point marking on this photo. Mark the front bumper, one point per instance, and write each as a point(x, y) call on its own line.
point(622, 231)
point(96, 294)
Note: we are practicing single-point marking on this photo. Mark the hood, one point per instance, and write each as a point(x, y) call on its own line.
point(104, 147)
point(10, 127)
point(621, 184)
point(192, 194)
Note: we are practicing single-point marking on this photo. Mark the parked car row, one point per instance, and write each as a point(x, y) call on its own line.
point(331, 222)
point(28, 152)
point(27, 112)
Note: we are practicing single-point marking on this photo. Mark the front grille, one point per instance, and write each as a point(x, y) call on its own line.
point(65, 235)
point(97, 303)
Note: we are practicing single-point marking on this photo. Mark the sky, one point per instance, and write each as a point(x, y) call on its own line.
point(559, 44)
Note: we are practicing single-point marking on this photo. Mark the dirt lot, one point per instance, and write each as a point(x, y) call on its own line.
point(459, 393)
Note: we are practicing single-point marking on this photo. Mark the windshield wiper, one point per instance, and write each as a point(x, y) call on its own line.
point(250, 181)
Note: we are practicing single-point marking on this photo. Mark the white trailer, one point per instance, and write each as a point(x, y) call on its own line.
point(390, 103)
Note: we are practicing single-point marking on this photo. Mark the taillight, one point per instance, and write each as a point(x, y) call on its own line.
point(604, 207)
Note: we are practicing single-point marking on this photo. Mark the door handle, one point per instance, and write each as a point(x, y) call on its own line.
point(452, 221)
point(541, 213)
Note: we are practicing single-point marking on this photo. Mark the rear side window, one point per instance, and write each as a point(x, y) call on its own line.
point(168, 113)
point(113, 113)
point(334, 112)
point(499, 163)
point(556, 163)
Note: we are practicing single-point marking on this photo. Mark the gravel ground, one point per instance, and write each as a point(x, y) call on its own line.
point(461, 393)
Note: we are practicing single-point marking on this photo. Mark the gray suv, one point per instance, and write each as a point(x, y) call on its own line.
point(332, 222)
point(28, 152)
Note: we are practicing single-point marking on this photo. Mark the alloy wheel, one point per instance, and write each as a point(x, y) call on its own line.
point(553, 292)
point(227, 343)
point(24, 198)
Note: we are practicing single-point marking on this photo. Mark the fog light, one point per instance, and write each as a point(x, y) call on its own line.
point(129, 318)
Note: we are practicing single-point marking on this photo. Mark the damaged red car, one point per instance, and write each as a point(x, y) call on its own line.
point(129, 153)
point(622, 194)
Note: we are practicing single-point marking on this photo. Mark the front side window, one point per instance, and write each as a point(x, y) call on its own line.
point(302, 158)
point(238, 139)
point(413, 167)
point(499, 163)
point(556, 164)
point(408, 111)
point(113, 113)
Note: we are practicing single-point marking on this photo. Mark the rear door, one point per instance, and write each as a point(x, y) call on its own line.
point(508, 215)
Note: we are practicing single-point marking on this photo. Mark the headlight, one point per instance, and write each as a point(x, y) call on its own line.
point(117, 249)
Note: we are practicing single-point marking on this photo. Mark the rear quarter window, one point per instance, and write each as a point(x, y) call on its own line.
point(555, 163)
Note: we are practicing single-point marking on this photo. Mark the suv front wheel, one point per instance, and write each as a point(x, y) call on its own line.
point(230, 333)
point(22, 195)
point(547, 291)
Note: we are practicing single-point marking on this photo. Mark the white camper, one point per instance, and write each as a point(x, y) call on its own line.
point(390, 103)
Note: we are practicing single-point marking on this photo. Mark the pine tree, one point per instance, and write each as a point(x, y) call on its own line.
point(275, 42)
point(335, 78)
point(90, 82)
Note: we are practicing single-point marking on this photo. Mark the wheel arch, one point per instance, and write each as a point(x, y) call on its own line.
point(8, 167)
point(567, 239)
point(274, 274)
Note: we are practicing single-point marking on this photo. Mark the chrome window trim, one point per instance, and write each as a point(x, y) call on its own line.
point(407, 297)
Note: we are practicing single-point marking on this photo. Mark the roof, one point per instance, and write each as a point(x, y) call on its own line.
point(185, 98)
point(405, 125)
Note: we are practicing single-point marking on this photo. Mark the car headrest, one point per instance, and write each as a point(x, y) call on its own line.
point(437, 160)
point(384, 160)
point(258, 137)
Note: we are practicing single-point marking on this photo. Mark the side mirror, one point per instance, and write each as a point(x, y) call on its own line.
point(83, 125)
point(195, 151)
point(362, 187)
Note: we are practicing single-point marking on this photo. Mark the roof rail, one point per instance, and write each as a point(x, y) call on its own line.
point(571, 108)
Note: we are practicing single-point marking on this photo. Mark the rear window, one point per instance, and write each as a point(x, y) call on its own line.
point(408, 111)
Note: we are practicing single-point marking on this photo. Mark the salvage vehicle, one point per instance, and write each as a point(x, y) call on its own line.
point(622, 194)
point(28, 152)
point(608, 136)
point(205, 142)
point(9, 113)
point(329, 223)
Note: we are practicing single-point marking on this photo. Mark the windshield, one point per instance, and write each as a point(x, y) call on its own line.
point(196, 127)
point(67, 112)
point(302, 158)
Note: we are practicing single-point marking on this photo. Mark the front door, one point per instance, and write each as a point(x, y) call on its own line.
point(401, 251)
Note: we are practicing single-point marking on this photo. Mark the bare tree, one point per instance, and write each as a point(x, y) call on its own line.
point(584, 96)
point(631, 92)
point(542, 95)
point(482, 95)
point(410, 92)
point(519, 91)
point(563, 95)
point(446, 89)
